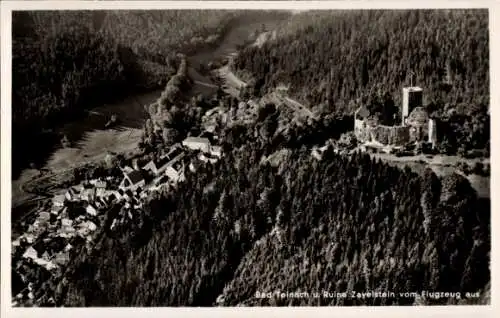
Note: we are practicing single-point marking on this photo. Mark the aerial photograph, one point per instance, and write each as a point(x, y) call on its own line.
point(262, 158)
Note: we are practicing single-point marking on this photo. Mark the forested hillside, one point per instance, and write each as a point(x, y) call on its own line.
point(269, 216)
point(343, 58)
point(157, 32)
point(65, 61)
point(62, 58)
point(246, 225)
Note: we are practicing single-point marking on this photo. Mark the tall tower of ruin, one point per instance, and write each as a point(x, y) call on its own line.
point(412, 98)
point(432, 133)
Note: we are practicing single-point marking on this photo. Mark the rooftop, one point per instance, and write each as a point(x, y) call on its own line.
point(177, 166)
point(216, 148)
point(197, 140)
point(59, 198)
point(174, 153)
point(135, 176)
point(160, 162)
point(100, 184)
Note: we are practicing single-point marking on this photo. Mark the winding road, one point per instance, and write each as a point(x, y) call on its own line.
point(95, 140)
point(28, 189)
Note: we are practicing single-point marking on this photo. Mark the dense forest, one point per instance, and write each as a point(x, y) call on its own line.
point(341, 224)
point(268, 218)
point(65, 61)
point(348, 58)
point(62, 58)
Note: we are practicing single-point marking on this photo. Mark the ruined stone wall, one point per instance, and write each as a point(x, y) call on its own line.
point(419, 133)
point(380, 134)
point(399, 136)
point(386, 135)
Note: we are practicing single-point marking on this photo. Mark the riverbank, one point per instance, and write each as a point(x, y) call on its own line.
point(91, 141)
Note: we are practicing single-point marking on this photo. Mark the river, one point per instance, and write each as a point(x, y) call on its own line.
point(91, 141)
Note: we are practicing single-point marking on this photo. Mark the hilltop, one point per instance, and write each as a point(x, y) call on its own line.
point(362, 57)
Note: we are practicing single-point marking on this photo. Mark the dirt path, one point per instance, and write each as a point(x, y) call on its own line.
point(233, 84)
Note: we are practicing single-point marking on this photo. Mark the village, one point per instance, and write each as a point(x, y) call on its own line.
point(74, 214)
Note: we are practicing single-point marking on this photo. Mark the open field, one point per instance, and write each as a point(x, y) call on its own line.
point(91, 142)
point(94, 147)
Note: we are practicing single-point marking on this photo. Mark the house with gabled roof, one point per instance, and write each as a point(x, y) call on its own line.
point(88, 194)
point(216, 151)
point(132, 181)
point(43, 217)
point(46, 256)
point(73, 193)
point(30, 253)
point(127, 169)
point(102, 202)
point(157, 166)
point(57, 210)
point(208, 157)
point(61, 258)
point(91, 209)
point(100, 188)
point(175, 172)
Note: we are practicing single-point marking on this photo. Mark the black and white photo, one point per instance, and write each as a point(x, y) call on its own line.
point(250, 157)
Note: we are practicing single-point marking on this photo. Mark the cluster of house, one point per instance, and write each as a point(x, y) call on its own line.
point(75, 213)
point(170, 167)
point(163, 171)
point(71, 219)
point(416, 125)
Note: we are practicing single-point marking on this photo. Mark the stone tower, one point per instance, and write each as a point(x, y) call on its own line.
point(432, 132)
point(412, 98)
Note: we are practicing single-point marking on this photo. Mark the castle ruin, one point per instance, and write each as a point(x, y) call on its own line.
point(416, 125)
